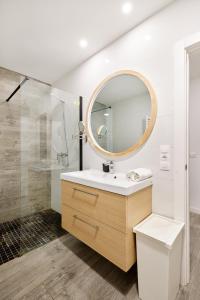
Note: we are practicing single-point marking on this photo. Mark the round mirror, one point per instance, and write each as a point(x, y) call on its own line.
point(121, 113)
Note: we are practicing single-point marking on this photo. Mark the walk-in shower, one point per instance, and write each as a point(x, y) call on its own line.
point(38, 140)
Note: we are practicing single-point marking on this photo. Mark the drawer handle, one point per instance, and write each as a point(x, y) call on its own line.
point(78, 190)
point(81, 220)
point(88, 193)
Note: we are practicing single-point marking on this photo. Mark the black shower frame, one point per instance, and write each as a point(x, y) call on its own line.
point(80, 136)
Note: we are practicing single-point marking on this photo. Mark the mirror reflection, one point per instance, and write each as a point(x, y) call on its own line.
point(120, 113)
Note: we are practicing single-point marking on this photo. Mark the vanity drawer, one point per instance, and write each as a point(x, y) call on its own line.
point(106, 207)
point(114, 245)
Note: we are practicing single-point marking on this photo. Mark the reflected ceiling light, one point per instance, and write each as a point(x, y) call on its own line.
point(127, 8)
point(148, 37)
point(83, 43)
point(107, 61)
point(106, 114)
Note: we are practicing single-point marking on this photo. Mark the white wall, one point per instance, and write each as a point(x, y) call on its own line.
point(154, 58)
point(194, 140)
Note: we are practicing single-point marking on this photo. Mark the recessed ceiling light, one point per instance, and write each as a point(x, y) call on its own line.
point(148, 37)
point(106, 114)
point(83, 43)
point(107, 60)
point(127, 8)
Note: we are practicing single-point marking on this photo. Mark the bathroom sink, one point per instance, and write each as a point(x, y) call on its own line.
point(116, 183)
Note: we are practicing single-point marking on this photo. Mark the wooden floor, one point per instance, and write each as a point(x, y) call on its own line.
point(67, 269)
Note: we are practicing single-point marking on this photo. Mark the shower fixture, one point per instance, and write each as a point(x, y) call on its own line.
point(61, 156)
point(26, 78)
point(17, 88)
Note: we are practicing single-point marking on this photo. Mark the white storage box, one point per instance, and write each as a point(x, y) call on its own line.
point(159, 254)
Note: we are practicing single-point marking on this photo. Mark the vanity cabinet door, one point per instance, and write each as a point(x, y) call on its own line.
point(106, 207)
point(112, 244)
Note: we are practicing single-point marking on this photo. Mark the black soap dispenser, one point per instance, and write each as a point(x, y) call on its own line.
point(106, 167)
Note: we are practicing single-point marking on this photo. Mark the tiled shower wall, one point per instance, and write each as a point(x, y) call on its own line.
point(24, 143)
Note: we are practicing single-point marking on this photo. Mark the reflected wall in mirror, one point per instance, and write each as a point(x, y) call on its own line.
point(121, 113)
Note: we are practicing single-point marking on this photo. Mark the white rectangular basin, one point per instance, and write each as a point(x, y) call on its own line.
point(116, 183)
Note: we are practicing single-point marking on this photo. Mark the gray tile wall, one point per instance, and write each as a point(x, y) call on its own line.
point(24, 141)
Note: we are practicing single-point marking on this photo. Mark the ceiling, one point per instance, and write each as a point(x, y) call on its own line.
point(41, 38)
point(195, 64)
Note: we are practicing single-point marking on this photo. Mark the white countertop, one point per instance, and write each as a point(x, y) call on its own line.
point(116, 183)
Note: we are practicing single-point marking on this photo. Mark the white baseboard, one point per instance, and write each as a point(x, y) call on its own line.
point(195, 210)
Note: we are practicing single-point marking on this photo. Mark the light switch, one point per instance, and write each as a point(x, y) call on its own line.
point(165, 157)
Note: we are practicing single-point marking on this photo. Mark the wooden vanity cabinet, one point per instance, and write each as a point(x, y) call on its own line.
point(104, 220)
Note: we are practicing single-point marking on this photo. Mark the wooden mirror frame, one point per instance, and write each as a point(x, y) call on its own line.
point(147, 132)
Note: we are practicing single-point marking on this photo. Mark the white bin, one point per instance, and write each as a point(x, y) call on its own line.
point(159, 253)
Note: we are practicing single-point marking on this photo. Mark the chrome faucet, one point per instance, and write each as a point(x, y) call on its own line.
point(112, 167)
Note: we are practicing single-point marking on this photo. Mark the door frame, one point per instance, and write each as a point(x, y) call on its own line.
point(181, 143)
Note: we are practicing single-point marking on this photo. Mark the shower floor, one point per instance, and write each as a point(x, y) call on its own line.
point(27, 233)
